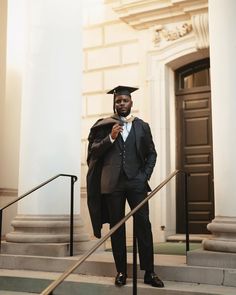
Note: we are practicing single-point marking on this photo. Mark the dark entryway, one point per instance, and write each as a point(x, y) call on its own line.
point(194, 145)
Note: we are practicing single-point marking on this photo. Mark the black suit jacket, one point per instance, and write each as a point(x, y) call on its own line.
point(99, 146)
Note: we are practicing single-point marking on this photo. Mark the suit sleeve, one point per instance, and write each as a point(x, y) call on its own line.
point(99, 143)
point(100, 146)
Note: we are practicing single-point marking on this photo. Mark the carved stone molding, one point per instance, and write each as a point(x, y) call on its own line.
point(143, 14)
point(224, 235)
point(201, 30)
point(46, 229)
point(8, 192)
point(170, 35)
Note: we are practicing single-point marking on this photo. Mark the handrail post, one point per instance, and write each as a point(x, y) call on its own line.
point(73, 180)
point(72, 215)
point(0, 229)
point(134, 259)
point(186, 210)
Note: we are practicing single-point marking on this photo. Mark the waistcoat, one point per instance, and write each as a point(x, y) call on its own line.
point(130, 162)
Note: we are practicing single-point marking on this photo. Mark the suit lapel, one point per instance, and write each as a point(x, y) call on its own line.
point(137, 134)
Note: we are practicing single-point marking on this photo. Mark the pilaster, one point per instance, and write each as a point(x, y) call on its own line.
point(222, 46)
point(50, 131)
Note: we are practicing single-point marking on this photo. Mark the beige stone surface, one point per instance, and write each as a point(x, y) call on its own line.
point(105, 57)
point(100, 104)
point(130, 53)
point(122, 76)
point(92, 82)
point(119, 32)
point(92, 37)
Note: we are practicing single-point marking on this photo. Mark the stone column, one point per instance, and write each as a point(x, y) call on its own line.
point(222, 23)
point(50, 128)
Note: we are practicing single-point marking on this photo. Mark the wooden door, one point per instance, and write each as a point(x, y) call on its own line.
point(194, 150)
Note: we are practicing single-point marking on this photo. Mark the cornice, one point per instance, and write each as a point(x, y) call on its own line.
point(143, 14)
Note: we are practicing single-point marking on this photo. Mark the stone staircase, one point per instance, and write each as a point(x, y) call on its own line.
point(77, 284)
point(31, 274)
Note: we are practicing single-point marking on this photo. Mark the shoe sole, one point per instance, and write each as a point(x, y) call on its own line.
point(150, 283)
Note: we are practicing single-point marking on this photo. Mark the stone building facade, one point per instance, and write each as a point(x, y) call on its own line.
point(142, 43)
point(179, 53)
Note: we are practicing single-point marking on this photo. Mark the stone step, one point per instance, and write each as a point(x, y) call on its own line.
point(201, 257)
point(168, 267)
point(15, 293)
point(193, 238)
point(46, 249)
point(34, 282)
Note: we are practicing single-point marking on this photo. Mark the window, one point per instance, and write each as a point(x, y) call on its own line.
point(194, 75)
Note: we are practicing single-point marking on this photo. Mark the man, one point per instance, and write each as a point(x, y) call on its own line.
point(121, 158)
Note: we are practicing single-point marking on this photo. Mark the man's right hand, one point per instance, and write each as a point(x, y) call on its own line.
point(116, 129)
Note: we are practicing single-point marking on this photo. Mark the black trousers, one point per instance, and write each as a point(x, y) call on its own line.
point(134, 193)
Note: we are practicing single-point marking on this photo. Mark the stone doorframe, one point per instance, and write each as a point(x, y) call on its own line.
point(161, 65)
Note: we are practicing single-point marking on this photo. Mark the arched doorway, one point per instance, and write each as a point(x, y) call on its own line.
point(194, 145)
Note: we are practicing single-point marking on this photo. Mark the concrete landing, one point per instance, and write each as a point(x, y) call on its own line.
point(206, 258)
point(46, 249)
point(29, 281)
point(168, 267)
point(193, 238)
point(15, 293)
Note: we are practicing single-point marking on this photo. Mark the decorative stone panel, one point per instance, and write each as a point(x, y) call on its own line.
point(167, 34)
point(125, 76)
point(93, 37)
point(130, 53)
point(92, 82)
point(104, 57)
point(99, 104)
point(114, 33)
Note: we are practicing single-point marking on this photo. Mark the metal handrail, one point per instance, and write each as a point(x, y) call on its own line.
point(73, 180)
point(67, 272)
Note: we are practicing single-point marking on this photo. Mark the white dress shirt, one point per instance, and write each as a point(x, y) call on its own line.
point(126, 128)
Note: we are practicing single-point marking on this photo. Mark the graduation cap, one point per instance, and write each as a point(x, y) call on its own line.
point(122, 90)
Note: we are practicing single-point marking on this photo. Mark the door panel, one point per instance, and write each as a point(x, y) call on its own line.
point(194, 133)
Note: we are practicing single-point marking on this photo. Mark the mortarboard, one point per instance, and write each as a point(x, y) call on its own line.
point(122, 90)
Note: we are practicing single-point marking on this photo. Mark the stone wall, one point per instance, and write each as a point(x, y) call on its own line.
point(141, 43)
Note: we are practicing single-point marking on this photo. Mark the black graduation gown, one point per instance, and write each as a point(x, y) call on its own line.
point(96, 204)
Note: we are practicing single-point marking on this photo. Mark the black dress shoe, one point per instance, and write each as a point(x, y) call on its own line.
point(120, 279)
point(152, 279)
